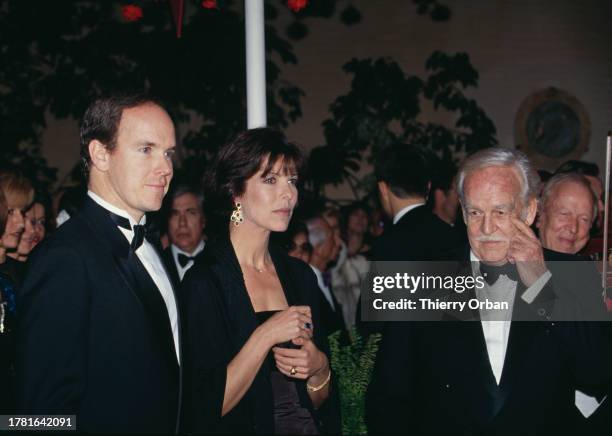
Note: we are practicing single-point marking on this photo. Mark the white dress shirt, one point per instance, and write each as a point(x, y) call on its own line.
point(398, 216)
point(497, 331)
point(152, 263)
point(175, 253)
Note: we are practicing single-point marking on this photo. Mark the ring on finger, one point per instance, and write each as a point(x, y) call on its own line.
point(293, 371)
point(307, 325)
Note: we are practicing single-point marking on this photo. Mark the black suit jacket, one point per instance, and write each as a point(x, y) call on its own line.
point(435, 378)
point(94, 337)
point(330, 320)
point(419, 235)
point(219, 319)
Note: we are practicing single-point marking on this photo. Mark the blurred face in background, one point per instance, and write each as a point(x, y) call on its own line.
point(186, 222)
point(17, 205)
point(34, 229)
point(301, 248)
point(358, 222)
point(566, 218)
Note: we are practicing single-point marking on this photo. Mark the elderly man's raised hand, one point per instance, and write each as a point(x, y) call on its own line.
point(526, 253)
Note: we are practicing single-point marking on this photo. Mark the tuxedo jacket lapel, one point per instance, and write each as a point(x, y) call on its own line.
point(134, 274)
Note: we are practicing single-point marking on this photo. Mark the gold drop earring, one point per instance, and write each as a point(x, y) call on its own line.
point(237, 218)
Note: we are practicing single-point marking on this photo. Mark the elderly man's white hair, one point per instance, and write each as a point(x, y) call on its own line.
point(316, 234)
point(501, 157)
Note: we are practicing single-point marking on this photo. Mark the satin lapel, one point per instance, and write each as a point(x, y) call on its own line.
point(134, 274)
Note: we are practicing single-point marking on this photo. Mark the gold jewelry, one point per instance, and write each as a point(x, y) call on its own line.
point(237, 217)
point(293, 371)
point(321, 386)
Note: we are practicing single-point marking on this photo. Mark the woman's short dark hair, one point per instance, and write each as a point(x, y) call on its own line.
point(240, 159)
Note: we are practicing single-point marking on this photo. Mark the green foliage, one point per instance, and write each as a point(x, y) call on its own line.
point(352, 364)
point(384, 106)
point(58, 56)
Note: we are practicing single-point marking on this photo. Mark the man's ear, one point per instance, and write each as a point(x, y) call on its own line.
point(532, 210)
point(100, 155)
point(383, 189)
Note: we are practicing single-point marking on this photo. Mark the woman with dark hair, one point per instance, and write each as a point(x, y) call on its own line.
point(253, 350)
point(356, 223)
point(37, 224)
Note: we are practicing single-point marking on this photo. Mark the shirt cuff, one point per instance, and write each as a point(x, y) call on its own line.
point(533, 291)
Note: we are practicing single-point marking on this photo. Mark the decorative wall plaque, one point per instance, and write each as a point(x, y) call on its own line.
point(552, 127)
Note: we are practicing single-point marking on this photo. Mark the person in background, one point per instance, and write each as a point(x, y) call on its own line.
point(295, 241)
point(354, 229)
point(186, 222)
point(18, 193)
point(591, 172)
point(351, 268)
point(567, 211)
point(325, 244)
point(37, 224)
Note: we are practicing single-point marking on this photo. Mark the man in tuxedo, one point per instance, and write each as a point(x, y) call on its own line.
point(568, 209)
point(186, 223)
point(98, 332)
point(325, 248)
point(492, 375)
point(403, 175)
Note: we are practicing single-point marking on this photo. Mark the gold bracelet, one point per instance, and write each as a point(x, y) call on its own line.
point(321, 386)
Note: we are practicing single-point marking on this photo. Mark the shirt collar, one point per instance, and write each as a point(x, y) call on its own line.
point(398, 216)
point(114, 209)
point(176, 251)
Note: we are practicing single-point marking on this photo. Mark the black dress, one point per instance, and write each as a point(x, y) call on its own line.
point(289, 415)
point(218, 320)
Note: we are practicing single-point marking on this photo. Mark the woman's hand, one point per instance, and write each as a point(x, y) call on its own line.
point(304, 363)
point(292, 323)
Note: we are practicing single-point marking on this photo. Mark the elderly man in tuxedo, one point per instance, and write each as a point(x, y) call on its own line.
point(493, 375)
point(98, 331)
point(186, 223)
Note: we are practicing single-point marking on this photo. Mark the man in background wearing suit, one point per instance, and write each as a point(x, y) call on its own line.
point(186, 223)
point(493, 376)
point(403, 174)
point(325, 249)
point(98, 332)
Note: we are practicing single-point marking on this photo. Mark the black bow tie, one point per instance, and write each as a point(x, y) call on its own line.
point(183, 259)
point(140, 231)
point(491, 273)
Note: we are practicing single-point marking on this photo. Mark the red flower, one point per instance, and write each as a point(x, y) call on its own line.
point(297, 5)
point(209, 4)
point(131, 12)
